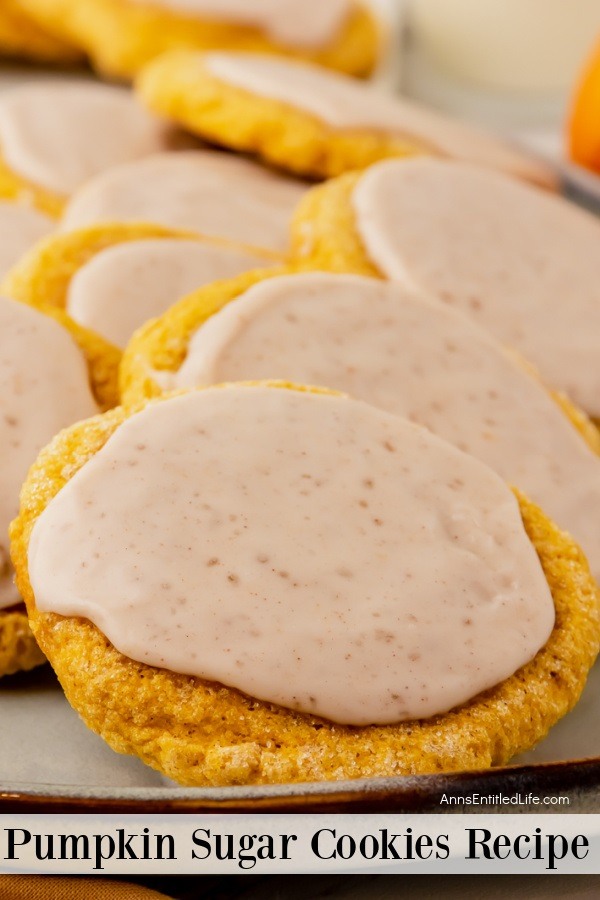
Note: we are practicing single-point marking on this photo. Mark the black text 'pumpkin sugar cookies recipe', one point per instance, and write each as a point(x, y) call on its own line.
point(239, 556)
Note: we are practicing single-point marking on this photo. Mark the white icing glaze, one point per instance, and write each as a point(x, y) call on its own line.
point(291, 545)
point(43, 388)
point(305, 24)
point(122, 287)
point(345, 103)
point(20, 227)
point(414, 358)
point(523, 263)
point(209, 193)
point(59, 135)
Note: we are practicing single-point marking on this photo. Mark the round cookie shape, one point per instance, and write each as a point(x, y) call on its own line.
point(19, 651)
point(44, 387)
point(56, 136)
point(124, 286)
point(310, 121)
point(108, 279)
point(121, 36)
point(22, 38)
point(247, 453)
point(41, 279)
point(521, 262)
point(43, 276)
point(211, 733)
point(382, 344)
point(20, 228)
point(205, 192)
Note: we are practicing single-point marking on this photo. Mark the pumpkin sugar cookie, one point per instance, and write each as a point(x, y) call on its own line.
point(112, 279)
point(22, 38)
point(369, 338)
point(19, 651)
point(121, 36)
point(45, 385)
point(54, 136)
point(185, 631)
point(523, 263)
point(309, 121)
point(20, 228)
point(210, 193)
point(42, 277)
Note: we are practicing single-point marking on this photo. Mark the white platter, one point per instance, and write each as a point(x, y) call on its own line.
point(48, 754)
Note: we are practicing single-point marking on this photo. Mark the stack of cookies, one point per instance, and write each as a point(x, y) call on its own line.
point(311, 375)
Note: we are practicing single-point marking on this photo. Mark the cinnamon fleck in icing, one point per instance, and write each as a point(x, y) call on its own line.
point(290, 544)
point(381, 343)
point(43, 388)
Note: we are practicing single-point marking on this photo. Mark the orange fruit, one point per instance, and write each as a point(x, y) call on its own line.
point(584, 122)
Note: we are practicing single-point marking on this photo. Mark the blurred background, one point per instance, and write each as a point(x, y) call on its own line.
point(526, 68)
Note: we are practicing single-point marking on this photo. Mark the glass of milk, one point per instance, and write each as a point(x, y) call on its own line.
point(510, 53)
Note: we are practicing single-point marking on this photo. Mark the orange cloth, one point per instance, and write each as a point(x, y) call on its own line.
point(46, 887)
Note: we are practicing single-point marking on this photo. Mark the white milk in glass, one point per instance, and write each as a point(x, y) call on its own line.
point(516, 45)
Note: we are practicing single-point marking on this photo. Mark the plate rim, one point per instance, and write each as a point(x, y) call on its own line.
point(578, 779)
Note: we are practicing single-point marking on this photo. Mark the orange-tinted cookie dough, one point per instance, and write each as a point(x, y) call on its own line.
point(121, 36)
point(521, 262)
point(21, 37)
point(111, 279)
point(312, 122)
point(200, 731)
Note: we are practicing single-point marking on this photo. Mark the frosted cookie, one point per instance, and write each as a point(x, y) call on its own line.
point(44, 386)
point(310, 121)
point(21, 37)
point(380, 343)
point(210, 193)
point(113, 278)
point(521, 262)
point(121, 36)
point(204, 627)
point(55, 136)
point(20, 228)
